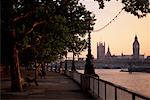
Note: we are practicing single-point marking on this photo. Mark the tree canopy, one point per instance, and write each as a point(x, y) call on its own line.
point(139, 8)
point(49, 27)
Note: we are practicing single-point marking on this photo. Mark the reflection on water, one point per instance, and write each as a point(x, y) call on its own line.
point(139, 82)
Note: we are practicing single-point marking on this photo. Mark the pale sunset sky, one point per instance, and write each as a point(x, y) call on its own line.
point(119, 35)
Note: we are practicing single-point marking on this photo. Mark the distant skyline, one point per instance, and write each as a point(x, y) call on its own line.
point(119, 35)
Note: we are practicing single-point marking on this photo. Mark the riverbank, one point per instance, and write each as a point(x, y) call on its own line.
point(107, 90)
point(136, 69)
point(137, 81)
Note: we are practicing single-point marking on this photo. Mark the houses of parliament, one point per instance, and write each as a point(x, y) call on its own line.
point(107, 57)
point(107, 60)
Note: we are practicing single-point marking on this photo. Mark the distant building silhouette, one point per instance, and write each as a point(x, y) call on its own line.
point(136, 48)
point(101, 55)
point(108, 54)
point(100, 50)
point(107, 60)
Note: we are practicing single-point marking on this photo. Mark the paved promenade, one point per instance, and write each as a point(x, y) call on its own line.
point(54, 87)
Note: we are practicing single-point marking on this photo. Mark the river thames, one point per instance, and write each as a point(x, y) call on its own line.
point(137, 81)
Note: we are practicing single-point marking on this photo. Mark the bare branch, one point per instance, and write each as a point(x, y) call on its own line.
point(23, 16)
point(34, 25)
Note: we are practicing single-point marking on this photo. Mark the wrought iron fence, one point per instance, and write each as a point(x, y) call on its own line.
point(104, 89)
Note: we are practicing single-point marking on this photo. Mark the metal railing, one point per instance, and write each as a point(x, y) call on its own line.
point(104, 89)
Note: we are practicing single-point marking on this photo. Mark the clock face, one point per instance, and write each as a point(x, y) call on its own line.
point(136, 46)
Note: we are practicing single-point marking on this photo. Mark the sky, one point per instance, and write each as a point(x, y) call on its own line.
point(119, 35)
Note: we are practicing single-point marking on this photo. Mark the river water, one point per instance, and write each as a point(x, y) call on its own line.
point(137, 81)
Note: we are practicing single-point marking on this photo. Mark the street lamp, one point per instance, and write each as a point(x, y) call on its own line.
point(89, 67)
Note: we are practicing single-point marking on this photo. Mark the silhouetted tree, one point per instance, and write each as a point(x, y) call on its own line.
point(39, 30)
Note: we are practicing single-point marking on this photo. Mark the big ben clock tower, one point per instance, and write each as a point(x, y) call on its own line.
point(136, 48)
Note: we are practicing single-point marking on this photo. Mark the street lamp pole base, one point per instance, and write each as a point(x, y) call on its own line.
point(89, 68)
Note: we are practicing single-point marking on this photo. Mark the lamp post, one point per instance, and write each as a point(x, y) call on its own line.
point(89, 68)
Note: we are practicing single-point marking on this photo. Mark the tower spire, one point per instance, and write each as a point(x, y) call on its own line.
point(108, 54)
point(108, 49)
point(136, 37)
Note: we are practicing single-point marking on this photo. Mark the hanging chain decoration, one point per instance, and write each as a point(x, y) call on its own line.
point(77, 52)
point(109, 22)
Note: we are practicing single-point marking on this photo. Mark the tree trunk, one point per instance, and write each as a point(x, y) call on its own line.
point(11, 52)
point(16, 84)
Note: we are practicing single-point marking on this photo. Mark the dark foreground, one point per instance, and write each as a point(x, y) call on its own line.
point(54, 87)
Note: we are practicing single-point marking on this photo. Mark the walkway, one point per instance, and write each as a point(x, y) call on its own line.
point(54, 87)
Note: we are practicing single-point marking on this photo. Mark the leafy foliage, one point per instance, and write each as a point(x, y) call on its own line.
point(47, 28)
point(138, 8)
